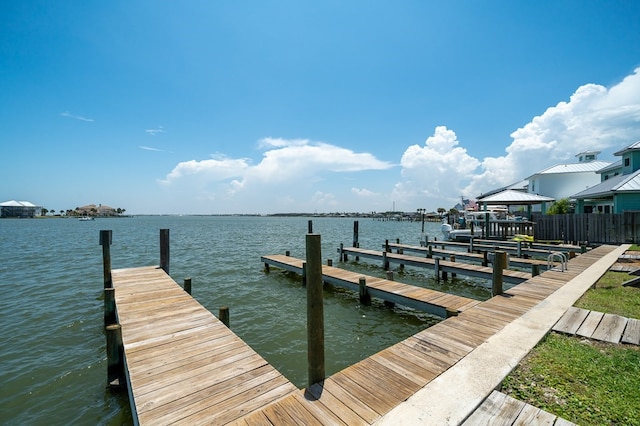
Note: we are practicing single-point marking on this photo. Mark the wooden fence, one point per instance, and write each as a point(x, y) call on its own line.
point(600, 228)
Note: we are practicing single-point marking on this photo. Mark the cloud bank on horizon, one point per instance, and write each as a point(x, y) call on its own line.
point(431, 175)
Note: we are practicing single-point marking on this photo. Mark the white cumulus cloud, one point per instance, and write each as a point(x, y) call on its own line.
point(594, 118)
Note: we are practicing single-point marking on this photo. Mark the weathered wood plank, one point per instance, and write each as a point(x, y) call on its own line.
point(590, 323)
point(355, 404)
point(632, 332)
point(610, 328)
point(571, 321)
point(531, 415)
point(498, 409)
point(315, 394)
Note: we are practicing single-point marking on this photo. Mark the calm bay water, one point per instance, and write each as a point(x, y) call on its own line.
point(53, 346)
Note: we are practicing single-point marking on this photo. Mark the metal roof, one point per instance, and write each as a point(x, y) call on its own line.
point(616, 184)
point(510, 196)
point(632, 147)
point(611, 166)
point(14, 203)
point(591, 166)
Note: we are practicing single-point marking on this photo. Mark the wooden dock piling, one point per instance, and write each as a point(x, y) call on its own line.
point(105, 242)
point(164, 250)
point(109, 306)
point(365, 298)
point(499, 263)
point(315, 310)
point(115, 356)
point(187, 285)
point(223, 315)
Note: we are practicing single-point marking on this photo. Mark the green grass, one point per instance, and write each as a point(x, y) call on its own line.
point(609, 296)
point(584, 381)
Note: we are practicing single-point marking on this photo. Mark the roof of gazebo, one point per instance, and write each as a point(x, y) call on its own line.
point(510, 196)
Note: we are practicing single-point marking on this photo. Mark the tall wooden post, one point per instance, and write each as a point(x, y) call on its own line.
point(310, 227)
point(105, 242)
point(499, 263)
point(164, 250)
point(356, 233)
point(315, 310)
point(436, 268)
point(356, 237)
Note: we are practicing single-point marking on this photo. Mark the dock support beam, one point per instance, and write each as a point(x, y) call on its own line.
point(223, 315)
point(315, 310)
point(365, 298)
point(109, 306)
point(164, 250)
point(115, 356)
point(499, 263)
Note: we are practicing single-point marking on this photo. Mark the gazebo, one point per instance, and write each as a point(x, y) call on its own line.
point(510, 197)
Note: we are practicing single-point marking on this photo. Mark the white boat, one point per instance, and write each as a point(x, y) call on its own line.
point(471, 220)
point(85, 218)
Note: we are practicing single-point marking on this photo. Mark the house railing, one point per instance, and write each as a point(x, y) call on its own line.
point(599, 228)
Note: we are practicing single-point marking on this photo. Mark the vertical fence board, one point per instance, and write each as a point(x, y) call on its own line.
point(600, 228)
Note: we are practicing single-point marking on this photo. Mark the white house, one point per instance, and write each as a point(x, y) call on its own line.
point(564, 180)
point(20, 209)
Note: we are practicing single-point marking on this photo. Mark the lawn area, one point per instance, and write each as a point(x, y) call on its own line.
point(581, 380)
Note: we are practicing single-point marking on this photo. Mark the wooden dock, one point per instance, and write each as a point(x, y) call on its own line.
point(183, 366)
point(462, 255)
point(477, 271)
point(540, 251)
point(422, 299)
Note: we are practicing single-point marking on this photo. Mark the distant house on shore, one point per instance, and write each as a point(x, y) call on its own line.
point(619, 187)
point(21, 209)
point(99, 210)
point(564, 180)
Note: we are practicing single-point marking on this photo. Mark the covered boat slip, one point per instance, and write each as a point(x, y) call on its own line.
point(184, 366)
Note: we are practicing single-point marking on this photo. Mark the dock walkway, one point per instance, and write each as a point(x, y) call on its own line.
point(540, 251)
point(422, 299)
point(485, 272)
point(183, 365)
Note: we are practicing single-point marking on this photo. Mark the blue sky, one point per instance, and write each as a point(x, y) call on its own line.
point(297, 106)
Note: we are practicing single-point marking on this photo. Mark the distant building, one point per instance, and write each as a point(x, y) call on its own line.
point(564, 180)
point(99, 210)
point(21, 209)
